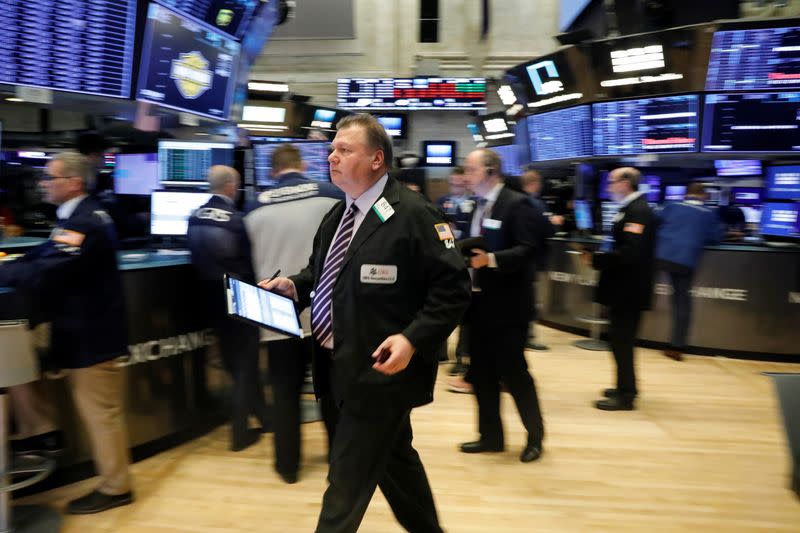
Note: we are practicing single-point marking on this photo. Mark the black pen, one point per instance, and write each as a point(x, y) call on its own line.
point(275, 275)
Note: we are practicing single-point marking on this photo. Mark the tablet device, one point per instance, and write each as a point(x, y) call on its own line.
point(261, 307)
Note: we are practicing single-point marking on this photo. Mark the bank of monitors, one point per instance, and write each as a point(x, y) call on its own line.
point(186, 163)
point(754, 59)
point(754, 122)
point(170, 211)
point(509, 158)
point(395, 124)
point(313, 153)
point(583, 215)
point(136, 174)
point(733, 168)
point(423, 93)
point(783, 182)
point(439, 153)
point(187, 65)
point(647, 125)
point(561, 134)
point(781, 220)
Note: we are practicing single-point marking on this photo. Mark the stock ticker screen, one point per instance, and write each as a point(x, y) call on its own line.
point(186, 65)
point(69, 45)
point(755, 122)
point(412, 93)
point(230, 16)
point(754, 59)
point(314, 155)
point(649, 125)
point(561, 134)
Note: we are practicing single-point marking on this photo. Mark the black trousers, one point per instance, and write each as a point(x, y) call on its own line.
point(238, 344)
point(498, 354)
point(369, 452)
point(622, 328)
point(288, 360)
point(681, 307)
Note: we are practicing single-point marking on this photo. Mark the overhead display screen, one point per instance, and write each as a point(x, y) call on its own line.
point(230, 16)
point(412, 93)
point(783, 182)
point(648, 125)
point(186, 65)
point(781, 220)
point(509, 159)
point(561, 134)
point(754, 59)
point(757, 122)
point(69, 45)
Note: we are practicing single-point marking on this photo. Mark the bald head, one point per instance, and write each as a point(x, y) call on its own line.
point(224, 180)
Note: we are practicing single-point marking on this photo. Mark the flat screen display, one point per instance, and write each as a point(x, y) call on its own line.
point(230, 16)
point(583, 215)
point(509, 158)
point(647, 125)
point(674, 193)
point(136, 174)
point(746, 196)
point(70, 46)
point(755, 122)
point(170, 211)
point(439, 153)
point(728, 168)
point(562, 134)
point(395, 125)
point(650, 187)
point(186, 65)
point(549, 81)
point(314, 155)
point(186, 163)
point(323, 118)
point(412, 93)
point(766, 58)
point(783, 182)
point(781, 220)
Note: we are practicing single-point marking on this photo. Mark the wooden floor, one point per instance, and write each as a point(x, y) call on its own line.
point(705, 451)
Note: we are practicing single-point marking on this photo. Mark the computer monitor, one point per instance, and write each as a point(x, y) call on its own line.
point(186, 163)
point(314, 154)
point(323, 118)
point(746, 196)
point(562, 134)
point(396, 125)
point(170, 211)
point(783, 182)
point(136, 174)
point(650, 187)
point(509, 159)
point(674, 193)
point(187, 65)
point(439, 153)
point(781, 219)
point(583, 215)
point(729, 168)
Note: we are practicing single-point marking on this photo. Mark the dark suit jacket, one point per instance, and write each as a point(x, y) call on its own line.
point(75, 281)
point(627, 271)
point(425, 303)
point(506, 291)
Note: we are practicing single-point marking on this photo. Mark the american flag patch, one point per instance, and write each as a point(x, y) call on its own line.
point(68, 237)
point(443, 230)
point(632, 227)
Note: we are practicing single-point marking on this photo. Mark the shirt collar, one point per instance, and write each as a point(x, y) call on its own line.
point(370, 196)
point(628, 199)
point(65, 210)
point(491, 196)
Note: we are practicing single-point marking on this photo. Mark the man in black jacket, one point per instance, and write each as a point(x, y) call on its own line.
point(502, 304)
point(626, 281)
point(219, 244)
point(386, 287)
point(80, 290)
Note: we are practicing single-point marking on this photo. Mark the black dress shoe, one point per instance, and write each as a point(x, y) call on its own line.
point(457, 369)
point(245, 441)
point(97, 502)
point(288, 477)
point(536, 346)
point(480, 447)
point(611, 393)
point(530, 453)
point(614, 404)
point(49, 444)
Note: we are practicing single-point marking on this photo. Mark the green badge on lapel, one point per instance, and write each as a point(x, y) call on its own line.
point(383, 209)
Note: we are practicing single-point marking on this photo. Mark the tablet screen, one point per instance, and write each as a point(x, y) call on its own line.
point(262, 307)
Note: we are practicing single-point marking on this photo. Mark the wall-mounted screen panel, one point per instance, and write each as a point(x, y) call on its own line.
point(412, 93)
point(783, 182)
point(314, 155)
point(561, 134)
point(729, 168)
point(509, 158)
point(550, 81)
point(230, 16)
point(755, 122)
point(766, 58)
point(186, 163)
point(187, 65)
point(170, 211)
point(647, 125)
point(69, 45)
point(439, 153)
point(781, 220)
point(136, 174)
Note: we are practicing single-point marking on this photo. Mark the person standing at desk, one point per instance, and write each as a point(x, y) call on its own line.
point(219, 244)
point(502, 304)
point(76, 277)
point(626, 281)
point(386, 287)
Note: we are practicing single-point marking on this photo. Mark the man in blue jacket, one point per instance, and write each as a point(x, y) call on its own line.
point(75, 273)
point(684, 229)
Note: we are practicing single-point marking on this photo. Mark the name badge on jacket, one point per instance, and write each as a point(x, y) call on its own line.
point(492, 223)
point(379, 274)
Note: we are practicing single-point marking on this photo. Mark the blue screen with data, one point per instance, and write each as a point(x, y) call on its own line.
point(783, 182)
point(187, 65)
point(562, 134)
point(781, 219)
point(68, 45)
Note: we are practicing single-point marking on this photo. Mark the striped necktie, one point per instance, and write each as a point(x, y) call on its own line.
point(321, 320)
